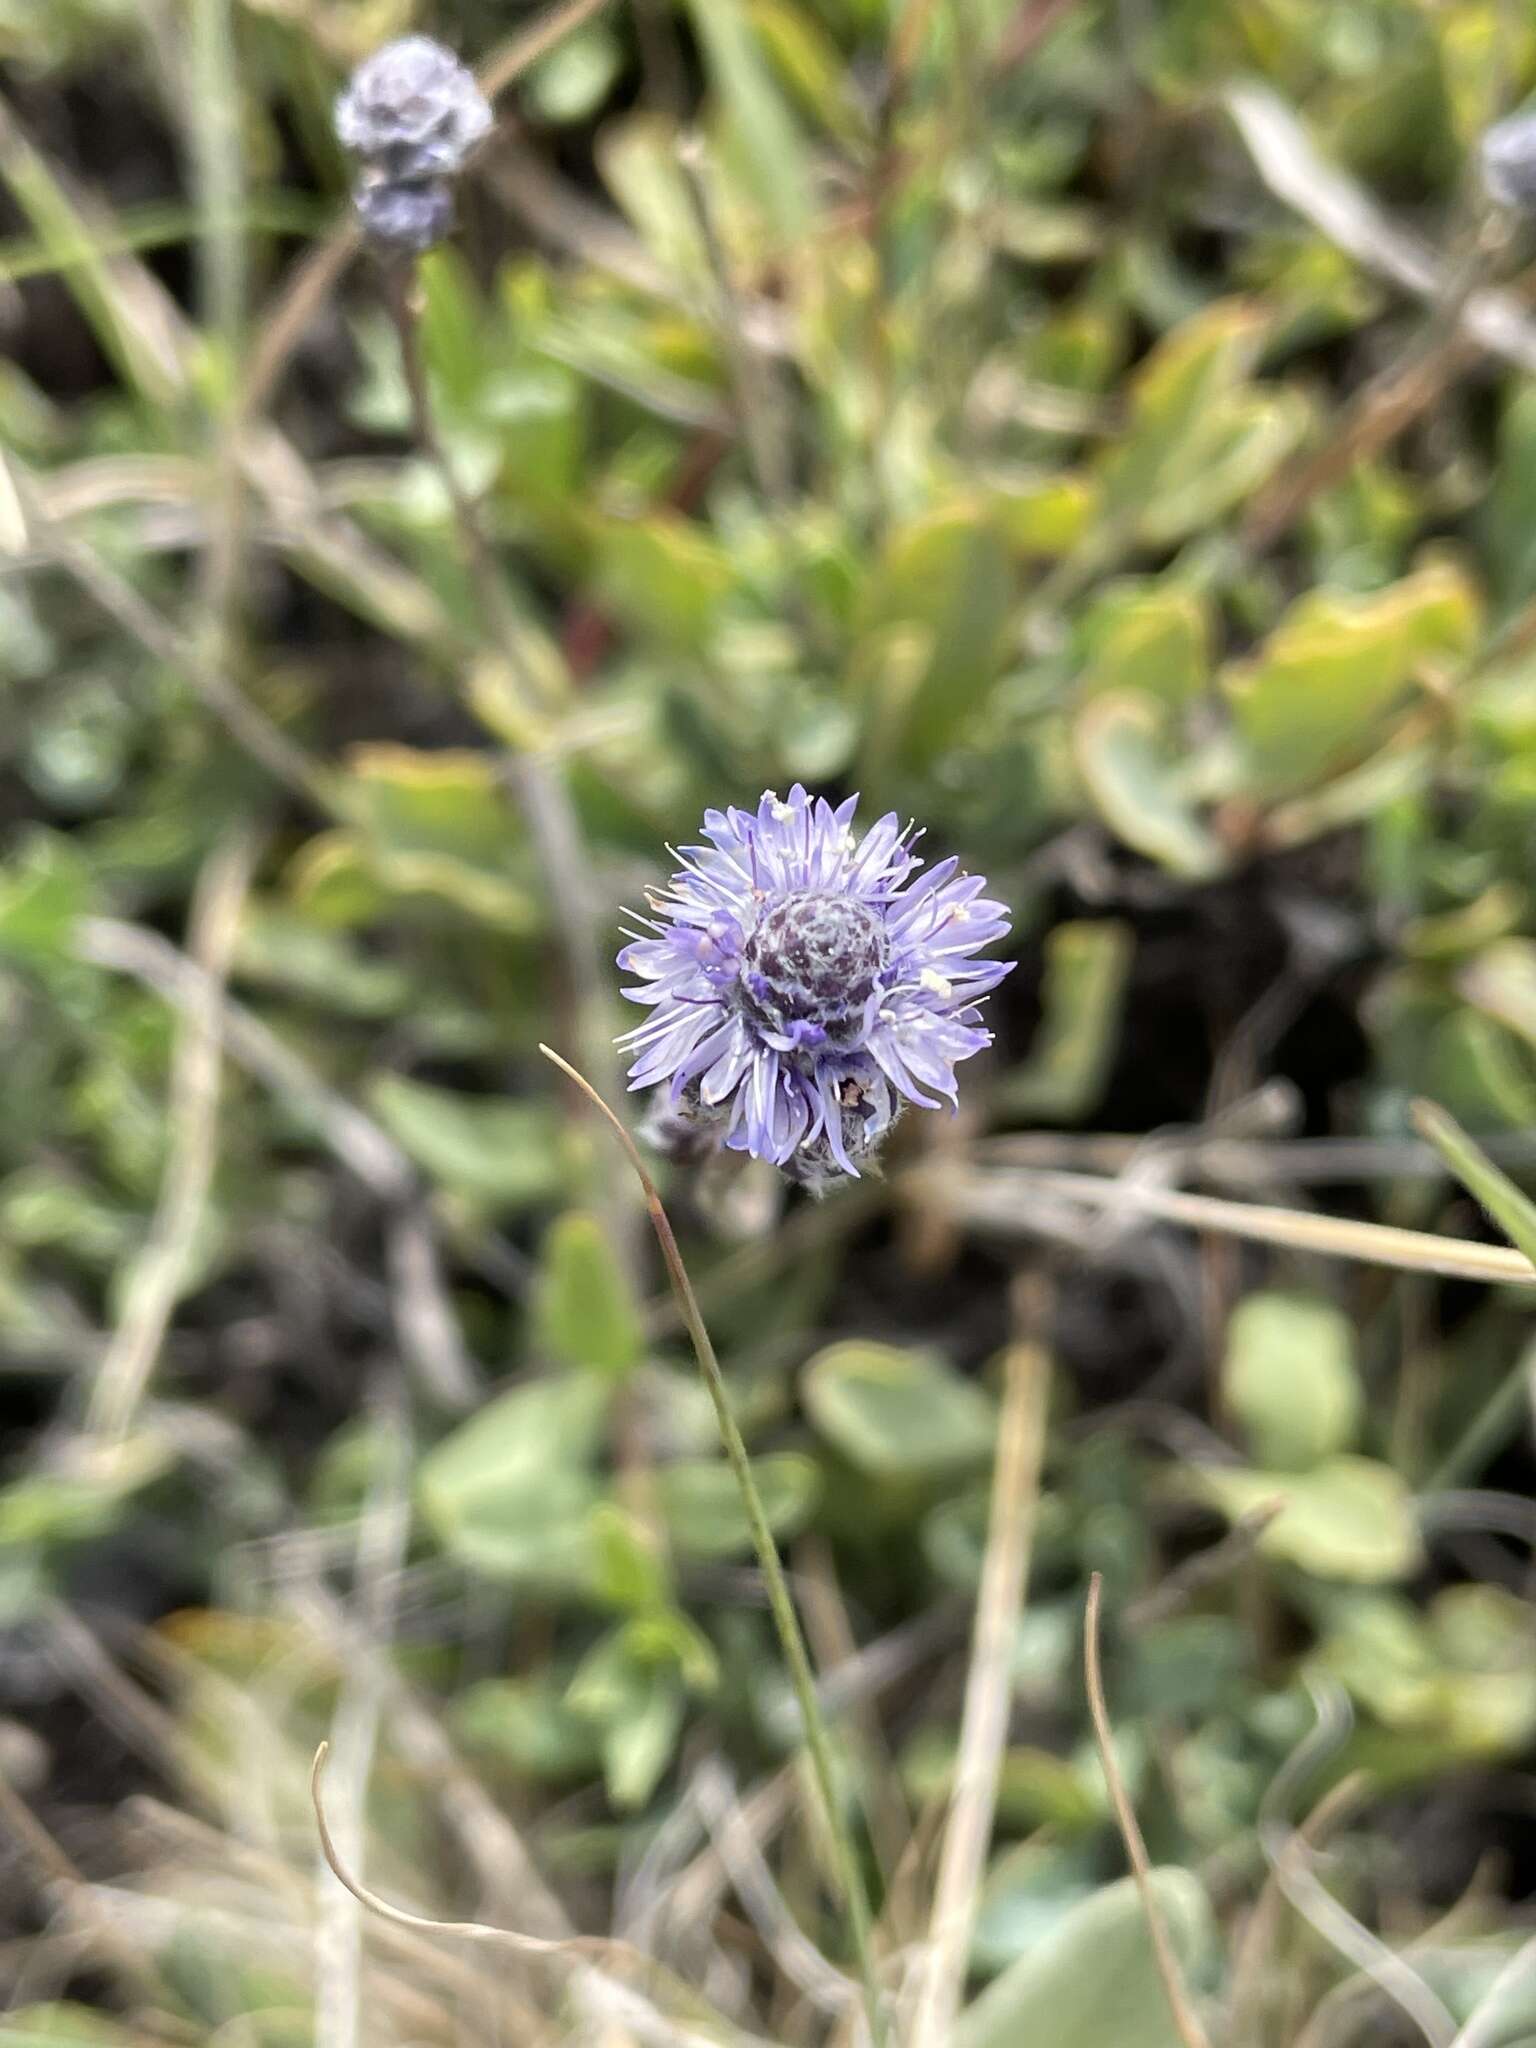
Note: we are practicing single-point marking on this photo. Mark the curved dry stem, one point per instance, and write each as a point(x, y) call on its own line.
point(786, 1621)
point(465, 1930)
point(1286, 1851)
point(591, 1948)
point(1185, 2020)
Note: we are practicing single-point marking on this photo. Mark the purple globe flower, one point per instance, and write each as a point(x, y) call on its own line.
point(805, 983)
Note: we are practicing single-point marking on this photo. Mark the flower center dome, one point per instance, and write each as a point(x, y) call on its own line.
point(812, 961)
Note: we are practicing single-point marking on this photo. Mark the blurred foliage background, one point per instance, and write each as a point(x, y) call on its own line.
point(1105, 432)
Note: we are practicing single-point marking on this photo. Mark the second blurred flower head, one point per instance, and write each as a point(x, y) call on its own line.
point(1508, 158)
point(411, 115)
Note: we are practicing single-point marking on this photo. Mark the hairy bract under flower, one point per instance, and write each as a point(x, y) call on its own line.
point(805, 982)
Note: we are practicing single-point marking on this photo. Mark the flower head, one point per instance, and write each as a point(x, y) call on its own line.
point(807, 982)
point(411, 114)
point(1508, 156)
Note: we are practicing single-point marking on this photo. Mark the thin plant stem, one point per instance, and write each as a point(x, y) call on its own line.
point(247, 724)
point(1496, 1421)
point(575, 1945)
point(643, 1976)
point(535, 779)
point(1185, 2019)
point(383, 1534)
point(214, 110)
point(402, 292)
point(988, 1692)
point(791, 1639)
point(1499, 2007)
point(1003, 1199)
point(159, 1274)
point(1286, 1851)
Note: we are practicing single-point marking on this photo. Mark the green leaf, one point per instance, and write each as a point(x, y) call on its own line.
point(1501, 981)
point(44, 888)
point(1482, 1635)
point(1347, 1518)
point(1245, 438)
point(1461, 1673)
point(631, 1572)
point(664, 576)
point(441, 824)
point(700, 1501)
point(943, 587)
point(1513, 1211)
point(572, 82)
point(639, 1744)
point(1028, 1890)
point(810, 67)
point(1092, 1978)
point(526, 1725)
point(1087, 962)
point(42, 1507)
point(1317, 690)
point(501, 1153)
point(1121, 757)
point(586, 1314)
point(636, 1698)
point(510, 1492)
point(640, 165)
point(764, 146)
point(1148, 638)
point(1046, 517)
point(129, 311)
point(280, 949)
point(64, 2025)
point(1289, 1377)
point(1508, 514)
point(1177, 394)
point(897, 1414)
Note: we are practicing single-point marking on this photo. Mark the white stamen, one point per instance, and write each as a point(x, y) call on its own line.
point(934, 982)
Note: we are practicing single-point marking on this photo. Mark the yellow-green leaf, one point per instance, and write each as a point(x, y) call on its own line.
point(1122, 757)
point(586, 1311)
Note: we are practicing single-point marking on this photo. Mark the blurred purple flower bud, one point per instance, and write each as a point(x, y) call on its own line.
point(687, 1131)
point(1508, 157)
point(411, 114)
point(400, 215)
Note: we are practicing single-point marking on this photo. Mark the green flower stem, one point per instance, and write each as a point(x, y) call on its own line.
point(791, 1639)
point(534, 777)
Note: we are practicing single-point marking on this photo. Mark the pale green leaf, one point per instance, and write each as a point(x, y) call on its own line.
point(1347, 1518)
point(586, 1313)
point(897, 1413)
point(1289, 1378)
point(1091, 1981)
point(501, 1153)
point(1122, 757)
point(700, 1501)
